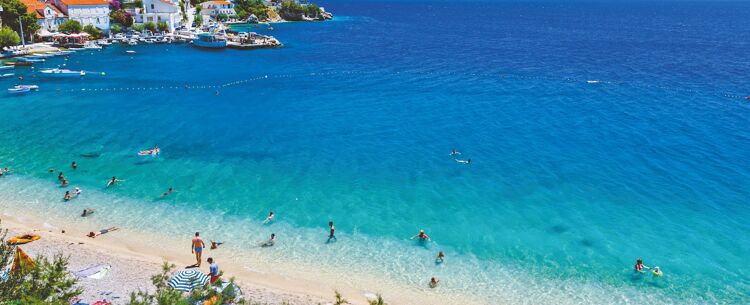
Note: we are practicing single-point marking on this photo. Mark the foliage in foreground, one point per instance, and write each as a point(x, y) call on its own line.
point(46, 282)
point(8, 37)
point(165, 295)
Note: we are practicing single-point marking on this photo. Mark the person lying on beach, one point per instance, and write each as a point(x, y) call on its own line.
point(215, 244)
point(196, 246)
point(102, 231)
point(67, 196)
point(270, 242)
point(87, 212)
point(434, 282)
point(422, 236)
point(440, 257)
point(269, 218)
point(113, 181)
point(169, 191)
point(467, 161)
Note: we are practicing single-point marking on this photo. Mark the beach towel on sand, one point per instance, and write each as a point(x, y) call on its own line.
point(94, 272)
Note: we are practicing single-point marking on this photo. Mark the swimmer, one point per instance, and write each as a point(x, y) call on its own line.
point(330, 235)
point(656, 271)
point(77, 191)
point(639, 266)
point(422, 236)
point(51, 169)
point(64, 182)
point(215, 244)
point(6, 170)
point(434, 282)
point(73, 165)
point(455, 152)
point(170, 190)
point(87, 212)
point(270, 242)
point(269, 218)
point(467, 161)
point(60, 176)
point(113, 181)
point(440, 258)
point(67, 196)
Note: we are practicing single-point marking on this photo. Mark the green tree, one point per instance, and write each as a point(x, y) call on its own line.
point(46, 282)
point(93, 31)
point(138, 27)
point(116, 29)
point(245, 8)
point(12, 10)
point(70, 26)
point(150, 26)
point(222, 17)
point(162, 26)
point(198, 21)
point(8, 37)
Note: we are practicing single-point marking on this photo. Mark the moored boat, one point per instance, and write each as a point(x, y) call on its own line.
point(56, 72)
point(208, 40)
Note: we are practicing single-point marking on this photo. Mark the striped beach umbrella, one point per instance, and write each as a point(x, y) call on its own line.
point(186, 280)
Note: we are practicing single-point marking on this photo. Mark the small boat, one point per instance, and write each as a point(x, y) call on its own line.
point(208, 40)
point(61, 72)
point(130, 52)
point(18, 63)
point(132, 42)
point(30, 87)
point(92, 46)
point(18, 90)
point(7, 67)
point(6, 75)
point(103, 42)
point(27, 59)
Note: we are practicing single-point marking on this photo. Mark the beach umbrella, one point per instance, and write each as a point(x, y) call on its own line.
point(186, 280)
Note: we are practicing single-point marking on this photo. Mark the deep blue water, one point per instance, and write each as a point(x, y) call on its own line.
point(353, 120)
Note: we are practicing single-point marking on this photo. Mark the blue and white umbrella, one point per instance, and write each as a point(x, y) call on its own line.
point(186, 280)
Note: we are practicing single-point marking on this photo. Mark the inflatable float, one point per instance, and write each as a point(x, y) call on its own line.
point(23, 239)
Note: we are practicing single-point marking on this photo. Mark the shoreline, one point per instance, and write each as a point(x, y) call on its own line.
point(132, 250)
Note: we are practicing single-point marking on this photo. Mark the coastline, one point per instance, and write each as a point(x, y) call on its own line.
point(139, 255)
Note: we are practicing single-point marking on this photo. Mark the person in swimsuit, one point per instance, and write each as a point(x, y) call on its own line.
point(113, 181)
point(169, 191)
point(270, 242)
point(440, 257)
point(332, 230)
point(102, 231)
point(64, 182)
point(215, 244)
point(196, 247)
point(77, 191)
point(656, 271)
point(213, 270)
point(434, 282)
point(60, 176)
point(6, 170)
point(455, 152)
point(269, 218)
point(87, 212)
point(639, 266)
point(422, 236)
point(51, 169)
point(467, 161)
point(67, 196)
point(74, 165)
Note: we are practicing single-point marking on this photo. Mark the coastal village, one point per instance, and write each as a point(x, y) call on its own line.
point(33, 30)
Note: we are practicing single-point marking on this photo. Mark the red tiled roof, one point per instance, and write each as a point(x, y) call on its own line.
point(34, 6)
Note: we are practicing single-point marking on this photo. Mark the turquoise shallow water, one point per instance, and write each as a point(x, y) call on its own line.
point(353, 120)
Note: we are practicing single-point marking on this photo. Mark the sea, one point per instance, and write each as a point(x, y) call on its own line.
point(599, 132)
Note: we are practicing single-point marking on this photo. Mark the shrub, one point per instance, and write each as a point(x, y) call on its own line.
point(121, 17)
point(150, 26)
point(162, 26)
point(8, 37)
point(222, 17)
point(93, 31)
point(70, 26)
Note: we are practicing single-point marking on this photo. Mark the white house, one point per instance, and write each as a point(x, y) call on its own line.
point(93, 12)
point(47, 15)
point(161, 11)
point(211, 9)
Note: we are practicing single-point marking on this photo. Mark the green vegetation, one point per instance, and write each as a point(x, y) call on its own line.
point(166, 295)
point(222, 17)
point(93, 31)
point(162, 26)
point(12, 10)
point(150, 26)
point(198, 21)
point(8, 37)
point(122, 17)
point(138, 27)
point(245, 8)
point(291, 10)
point(135, 4)
point(70, 27)
point(44, 282)
point(115, 28)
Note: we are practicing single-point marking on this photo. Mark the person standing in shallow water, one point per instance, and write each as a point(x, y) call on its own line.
point(196, 247)
point(331, 235)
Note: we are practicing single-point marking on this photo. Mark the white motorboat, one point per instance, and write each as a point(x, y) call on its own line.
point(130, 52)
point(92, 46)
point(26, 59)
point(6, 75)
point(7, 67)
point(62, 73)
point(103, 42)
point(18, 90)
point(30, 87)
point(132, 42)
